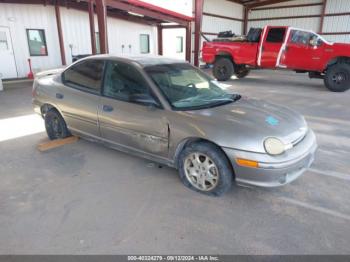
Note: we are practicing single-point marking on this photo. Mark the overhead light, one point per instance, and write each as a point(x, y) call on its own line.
point(135, 14)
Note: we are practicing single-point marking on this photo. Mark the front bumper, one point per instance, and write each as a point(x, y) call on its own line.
point(274, 171)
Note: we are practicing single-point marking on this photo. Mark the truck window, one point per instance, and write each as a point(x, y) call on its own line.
point(301, 37)
point(276, 35)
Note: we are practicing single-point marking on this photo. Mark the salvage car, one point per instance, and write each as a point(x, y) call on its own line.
point(173, 113)
point(280, 47)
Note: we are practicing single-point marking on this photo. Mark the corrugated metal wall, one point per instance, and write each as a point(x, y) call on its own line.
point(337, 23)
point(225, 8)
point(331, 23)
point(214, 25)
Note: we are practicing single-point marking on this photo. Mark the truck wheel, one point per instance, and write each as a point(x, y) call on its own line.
point(204, 168)
point(223, 69)
point(337, 78)
point(55, 125)
point(241, 71)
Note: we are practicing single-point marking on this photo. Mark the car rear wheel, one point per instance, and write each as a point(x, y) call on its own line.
point(223, 69)
point(204, 168)
point(337, 78)
point(55, 125)
point(241, 71)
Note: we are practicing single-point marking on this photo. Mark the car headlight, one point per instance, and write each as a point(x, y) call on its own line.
point(274, 146)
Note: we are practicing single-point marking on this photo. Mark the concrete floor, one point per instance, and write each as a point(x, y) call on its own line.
point(87, 199)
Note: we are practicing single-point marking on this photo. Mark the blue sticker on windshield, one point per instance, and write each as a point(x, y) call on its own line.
point(272, 121)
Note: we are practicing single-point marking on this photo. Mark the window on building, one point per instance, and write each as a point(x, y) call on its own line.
point(37, 42)
point(276, 35)
point(86, 75)
point(144, 44)
point(98, 47)
point(179, 44)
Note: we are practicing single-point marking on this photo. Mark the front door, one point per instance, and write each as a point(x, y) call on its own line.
point(7, 58)
point(271, 46)
point(128, 123)
point(299, 54)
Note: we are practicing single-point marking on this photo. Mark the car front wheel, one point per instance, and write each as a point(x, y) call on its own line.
point(204, 168)
point(55, 125)
point(337, 78)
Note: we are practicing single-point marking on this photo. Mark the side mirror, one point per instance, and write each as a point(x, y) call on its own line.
point(144, 99)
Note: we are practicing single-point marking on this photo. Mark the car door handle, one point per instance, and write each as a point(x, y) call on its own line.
point(107, 108)
point(59, 96)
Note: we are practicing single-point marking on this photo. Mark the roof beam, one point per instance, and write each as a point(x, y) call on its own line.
point(267, 2)
point(142, 11)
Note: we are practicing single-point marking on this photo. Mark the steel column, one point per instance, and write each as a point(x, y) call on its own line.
point(160, 39)
point(198, 13)
point(101, 11)
point(188, 42)
point(92, 26)
point(60, 34)
point(245, 20)
point(323, 12)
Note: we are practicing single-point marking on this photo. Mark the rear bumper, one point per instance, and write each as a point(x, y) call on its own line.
point(36, 106)
point(278, 171)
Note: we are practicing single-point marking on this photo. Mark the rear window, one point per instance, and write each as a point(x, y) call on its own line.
point(276, 35)
point(85, 75)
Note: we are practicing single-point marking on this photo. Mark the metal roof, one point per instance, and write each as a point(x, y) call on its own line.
point(132, 10)
point(257, 3)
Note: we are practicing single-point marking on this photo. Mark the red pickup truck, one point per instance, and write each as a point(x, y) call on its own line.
point(280, 47)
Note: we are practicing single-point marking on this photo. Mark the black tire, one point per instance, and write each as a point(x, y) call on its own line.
point(337, 78)
point(241, 71)
point(223, 69)
point(224, 168)
point(55, 125)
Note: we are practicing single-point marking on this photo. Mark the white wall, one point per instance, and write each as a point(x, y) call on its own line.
point(76, 32)
point(121, 32)
point(331, 24)
point(18, 18)
point(169, 43)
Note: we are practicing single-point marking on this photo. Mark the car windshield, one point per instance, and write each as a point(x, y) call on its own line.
point(188, 88)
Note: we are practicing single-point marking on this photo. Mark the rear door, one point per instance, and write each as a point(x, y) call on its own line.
point(126, 122)
point(79, 95)
point(272, 41)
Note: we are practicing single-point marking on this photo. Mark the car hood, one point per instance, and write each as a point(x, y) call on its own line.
point(246, 123)
point(342, 48)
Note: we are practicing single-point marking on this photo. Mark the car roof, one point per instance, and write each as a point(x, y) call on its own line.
point(146, 60)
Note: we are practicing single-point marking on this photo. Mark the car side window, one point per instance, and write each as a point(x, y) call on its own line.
point(276, 35)
point(86, 75)
point(123, 81)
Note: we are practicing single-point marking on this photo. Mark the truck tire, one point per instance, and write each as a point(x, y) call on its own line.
point(55, 125)
point(241, 71)
point(223, 69)
point(337, 78)
point(204, 168)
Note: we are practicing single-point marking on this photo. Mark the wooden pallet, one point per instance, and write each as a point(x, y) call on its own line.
point(47, 145)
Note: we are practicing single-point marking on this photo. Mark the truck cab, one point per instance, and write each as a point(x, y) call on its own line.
point(281, 47)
